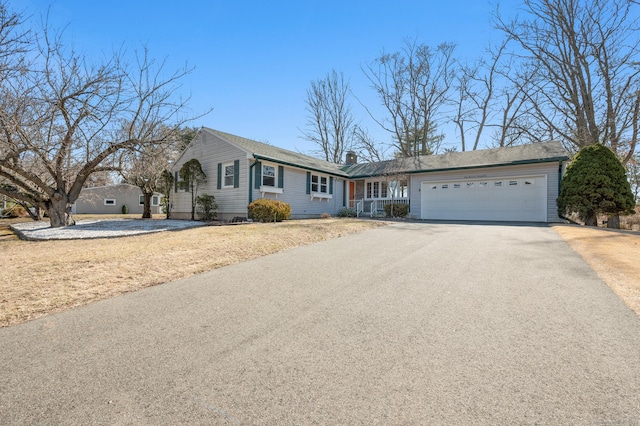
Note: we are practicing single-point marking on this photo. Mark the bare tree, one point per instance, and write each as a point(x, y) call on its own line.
point(329, 120)
point(585, 85)
point(64, 118)
point(396, 182)
point(191, 177)
point(368, 149)
point(491, 101)
point(413, 85)
point(633, 174)
point(145, 167)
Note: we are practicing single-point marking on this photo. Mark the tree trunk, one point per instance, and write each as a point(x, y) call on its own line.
point(590, 219)
point(58, 210)
point(613, 221)
point(146, 211)
point(193, 204)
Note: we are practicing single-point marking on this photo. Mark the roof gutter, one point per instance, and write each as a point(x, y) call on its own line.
point(298, 166)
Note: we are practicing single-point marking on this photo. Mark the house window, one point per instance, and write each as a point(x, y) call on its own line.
point(155, 200)
point(482, 184)
point(529, 182)
point(319, 184)
point(513, 183)
point(397, 189)
point(497, 183)
point(456, 186)
point(109, 202)
point(445, 186)
point(377, 189)
point(268, 175)
point(469, 184)
point(229, 175)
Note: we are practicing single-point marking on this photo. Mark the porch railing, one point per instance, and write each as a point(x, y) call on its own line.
point(373, 206)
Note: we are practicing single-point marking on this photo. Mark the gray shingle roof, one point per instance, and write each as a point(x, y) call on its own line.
point(521, 154)
point(279, 155)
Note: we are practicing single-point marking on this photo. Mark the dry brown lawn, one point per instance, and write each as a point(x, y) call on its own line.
point(614, 255)
point(44, 277)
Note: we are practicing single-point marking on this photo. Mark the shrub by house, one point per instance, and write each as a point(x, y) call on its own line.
point(267, 210)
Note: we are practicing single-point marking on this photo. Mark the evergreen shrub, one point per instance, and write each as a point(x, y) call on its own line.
point(347, 212)
point(207, 207)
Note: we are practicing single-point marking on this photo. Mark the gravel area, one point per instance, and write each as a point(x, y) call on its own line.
point(99, 228)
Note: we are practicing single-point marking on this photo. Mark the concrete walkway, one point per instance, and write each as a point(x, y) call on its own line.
point(407, 324)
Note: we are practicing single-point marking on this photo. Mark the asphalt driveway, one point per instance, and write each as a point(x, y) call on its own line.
point(406, 324)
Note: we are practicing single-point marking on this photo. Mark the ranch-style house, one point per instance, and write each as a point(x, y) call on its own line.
point(518, 183)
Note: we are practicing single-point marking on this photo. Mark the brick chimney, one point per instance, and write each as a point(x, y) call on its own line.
point(351, 158)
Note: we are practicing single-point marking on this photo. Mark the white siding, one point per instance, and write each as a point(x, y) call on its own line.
point(210, 150)
point(294, 192)
point(91, 200)
point(548, 169)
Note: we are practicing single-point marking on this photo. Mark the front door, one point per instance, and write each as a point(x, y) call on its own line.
point(352, 194)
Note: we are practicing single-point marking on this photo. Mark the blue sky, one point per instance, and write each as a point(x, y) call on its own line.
point(254, 60)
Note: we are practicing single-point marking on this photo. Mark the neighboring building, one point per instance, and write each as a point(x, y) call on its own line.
point(507, 184)
point(110, 199)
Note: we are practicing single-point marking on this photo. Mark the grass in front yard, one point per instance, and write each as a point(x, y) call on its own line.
point(42, 277)
point(612, 254)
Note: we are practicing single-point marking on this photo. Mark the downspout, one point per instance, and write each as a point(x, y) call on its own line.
point(251, 180)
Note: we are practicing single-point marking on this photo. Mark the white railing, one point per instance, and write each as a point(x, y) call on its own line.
point(374, 205)
point(383, 202)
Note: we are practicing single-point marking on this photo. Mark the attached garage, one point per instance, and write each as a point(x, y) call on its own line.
point(515, 198)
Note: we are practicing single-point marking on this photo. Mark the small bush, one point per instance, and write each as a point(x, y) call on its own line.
point(207, 207)
point(266, 210)
point(125, 209)
point(347, 212)
point(325, 216)
point(399, 210)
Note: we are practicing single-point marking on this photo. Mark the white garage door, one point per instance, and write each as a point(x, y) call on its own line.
point(510, 199)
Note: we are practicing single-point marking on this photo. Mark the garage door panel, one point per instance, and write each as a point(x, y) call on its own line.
point(512, 199)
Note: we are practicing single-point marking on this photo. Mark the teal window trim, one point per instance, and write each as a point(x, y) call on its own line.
point(236, 174)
